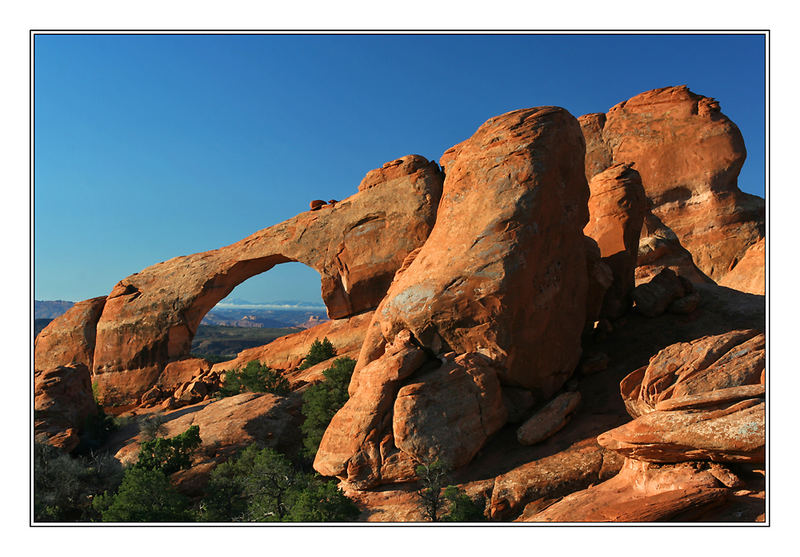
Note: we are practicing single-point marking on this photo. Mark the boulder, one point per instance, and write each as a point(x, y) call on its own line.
point(688, 155)
point(641, 492)
point(617, 207)
point(448, 413)
point(62, 401)
point(583, 464)
point(70, 338)
point(749, 274)
point(149, 318)
point(549, 420)
point(316, 204)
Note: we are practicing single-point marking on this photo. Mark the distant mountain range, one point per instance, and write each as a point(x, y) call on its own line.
point(230, 313)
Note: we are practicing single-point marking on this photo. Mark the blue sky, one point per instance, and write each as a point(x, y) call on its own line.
point(150, 147)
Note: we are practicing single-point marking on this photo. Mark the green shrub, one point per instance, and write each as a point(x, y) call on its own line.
point(462, 508)
point(319, 352)
point(323, 400)
point(255, 377)
point(261, 485)
point(169, 455)
point(63, 486)
point(145, 495)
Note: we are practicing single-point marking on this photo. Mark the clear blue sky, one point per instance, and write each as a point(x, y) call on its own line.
point(150, 147)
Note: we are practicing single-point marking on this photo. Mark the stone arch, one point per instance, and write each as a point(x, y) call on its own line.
point(357, 245)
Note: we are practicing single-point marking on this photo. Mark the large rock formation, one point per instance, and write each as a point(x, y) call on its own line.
point(62, 360)
point(617, 207)
point(699, 400)
point(70, 338)
point(689, 155)
point(356, 245)
point(497, 293)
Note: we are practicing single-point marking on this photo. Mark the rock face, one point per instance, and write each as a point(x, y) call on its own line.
point(62, 402)
point(503, 271)
point(231, 423)
point(641, 492)
point(749, 274)
point(699, 400)
point(617, 207)
point(688, 155)
point(357, 244)
point(63, 355)
point(497, 293)
point(70, 338)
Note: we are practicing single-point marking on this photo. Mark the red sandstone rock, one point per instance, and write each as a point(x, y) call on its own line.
point(641, 492)
point(735, 433)
point(617, 207)
point(449, 412)
point(62, 402)
point(503, 271)
point(581, 465)
point(316, 204)
point(549, 420)
point(699, 400)
point(600, 277)
point(749, 274)
point(398, 169)
point(689, 155)
point(702, 366)
point(181, 372)
point(357, 245)
point(231, 423)
point(70, 338)
point(502, 275)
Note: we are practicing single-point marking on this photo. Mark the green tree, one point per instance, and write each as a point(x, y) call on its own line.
point(261, 485)
point(255, 377)
point(169, 455)
point(319, 352)
point(145, 495)
point(322, 501)
point(323, 400)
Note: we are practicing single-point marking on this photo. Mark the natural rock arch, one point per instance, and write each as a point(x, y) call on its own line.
point(357, 245)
